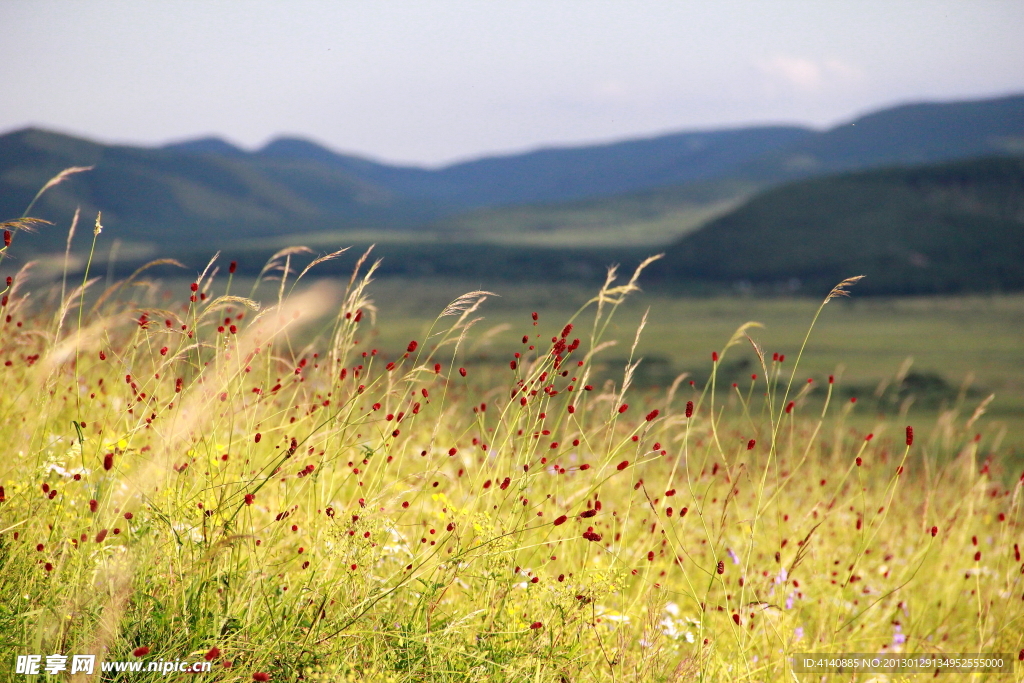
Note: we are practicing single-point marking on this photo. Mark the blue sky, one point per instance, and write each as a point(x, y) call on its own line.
point(431, 82)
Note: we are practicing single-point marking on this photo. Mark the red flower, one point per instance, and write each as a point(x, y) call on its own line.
point(751, 444)
point(108, 461)
point(213, 652)
point(935, 530)
point(462, 371)
point(689, 409)
point(141, 651)
point(623, 408)
point(622, 465)
point(453, 450)
point(412, 346)
point(260, 676)
point(721, 567)
point(591, 536)
point(536, 625)
point(560, 520)
point(714, 356)
point(910, 435)
point(653, 414)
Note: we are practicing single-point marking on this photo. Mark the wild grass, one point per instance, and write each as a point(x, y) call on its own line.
point(204, 475)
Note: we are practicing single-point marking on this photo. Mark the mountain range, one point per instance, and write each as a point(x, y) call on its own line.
point(718, 200)
point(210, 189)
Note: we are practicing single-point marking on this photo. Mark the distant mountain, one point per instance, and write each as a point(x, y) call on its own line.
point(210, 190)
point(209, 145)
point(562, 173)
point(905, 135)
point(924, 229)
point(178, 193)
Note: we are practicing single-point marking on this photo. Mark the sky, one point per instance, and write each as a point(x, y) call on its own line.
point(428, 83)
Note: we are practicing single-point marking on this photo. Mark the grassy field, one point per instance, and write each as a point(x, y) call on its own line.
point(942, 343)
point(258, 489)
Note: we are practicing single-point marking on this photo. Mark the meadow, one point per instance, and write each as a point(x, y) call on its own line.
point(311, 480)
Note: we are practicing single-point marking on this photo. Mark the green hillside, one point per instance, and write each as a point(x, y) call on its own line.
point(937, 228)
point(653, 218)
point(165, 195)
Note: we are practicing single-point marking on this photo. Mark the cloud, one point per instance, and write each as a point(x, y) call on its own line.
point(808, 75)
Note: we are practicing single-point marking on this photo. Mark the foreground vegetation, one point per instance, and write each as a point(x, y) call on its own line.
point(189, 474)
